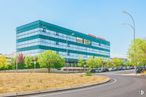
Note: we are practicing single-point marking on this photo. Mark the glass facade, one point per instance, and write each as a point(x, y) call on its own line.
point(38, 36)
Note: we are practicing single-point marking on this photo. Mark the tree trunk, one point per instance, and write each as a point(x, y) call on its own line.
point(49, 69)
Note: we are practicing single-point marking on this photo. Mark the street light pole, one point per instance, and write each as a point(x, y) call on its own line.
point(133, 23)
point(133, 28)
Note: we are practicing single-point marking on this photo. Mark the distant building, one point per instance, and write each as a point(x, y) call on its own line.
point(38, 36)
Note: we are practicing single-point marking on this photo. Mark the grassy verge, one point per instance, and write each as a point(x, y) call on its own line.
point(144, 72)
point(19, 82)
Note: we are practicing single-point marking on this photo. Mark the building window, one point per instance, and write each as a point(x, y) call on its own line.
point(57, 43)
point(88, 42)
point(68, 54)
point(79, 40)
point(57, 34)
point(68, 45)
point(44, 29)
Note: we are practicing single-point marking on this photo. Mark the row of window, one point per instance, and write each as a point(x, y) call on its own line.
point(60, 36)
point(57, 44)
point(100, 45)
point(63, 54)
point(28, 33)
point(51, 43)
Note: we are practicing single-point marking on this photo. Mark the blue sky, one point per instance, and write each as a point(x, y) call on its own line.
point(99, 17)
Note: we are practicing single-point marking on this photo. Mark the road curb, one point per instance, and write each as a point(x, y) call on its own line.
point(52, 91)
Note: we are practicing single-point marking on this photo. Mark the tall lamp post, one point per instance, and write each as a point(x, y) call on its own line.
point(132, 26)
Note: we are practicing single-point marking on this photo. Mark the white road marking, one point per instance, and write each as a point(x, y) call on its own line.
point(141, 92)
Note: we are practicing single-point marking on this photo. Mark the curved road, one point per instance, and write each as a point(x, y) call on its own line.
point(121, 86)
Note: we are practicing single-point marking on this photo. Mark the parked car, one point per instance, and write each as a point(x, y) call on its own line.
point(120, 68)
point(131, 67)
point(98, 70)
point(104, 70)
point(110, 69)
point(113, 69)
point(140, 69)
point(93, 70)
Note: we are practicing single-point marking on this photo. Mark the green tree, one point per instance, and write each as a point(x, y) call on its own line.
point(99, 62)
point(91, 62)
point(128, 63)
point(117, 62)
point(13, 62)
point(3, 62)
point(35, 62)
point(60, 61)
point(137, 52)
point(49, 59)
point(28, 61)
point(94, 62)
point(108, 63)
point(81, 62)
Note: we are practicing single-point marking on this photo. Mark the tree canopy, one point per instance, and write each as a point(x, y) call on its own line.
point(49, 59)
point(28, 61)
point(3, 62)
point(81, 62)
point(137, 52)
point(117, 62)
point(93, 62)
point(108, 63)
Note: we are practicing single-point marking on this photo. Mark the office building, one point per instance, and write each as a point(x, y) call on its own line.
point(38, 36)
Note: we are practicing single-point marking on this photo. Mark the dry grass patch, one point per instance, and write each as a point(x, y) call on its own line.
point(144, 72)
point(18, 82)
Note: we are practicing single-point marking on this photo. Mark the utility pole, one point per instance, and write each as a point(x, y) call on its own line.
point(132, 26)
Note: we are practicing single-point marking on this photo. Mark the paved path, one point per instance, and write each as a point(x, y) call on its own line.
point(121, 86)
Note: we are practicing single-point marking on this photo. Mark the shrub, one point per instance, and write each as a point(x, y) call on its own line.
point(88, 73)
point(3, 62)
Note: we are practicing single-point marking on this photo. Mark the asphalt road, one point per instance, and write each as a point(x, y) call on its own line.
point(121, 86)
